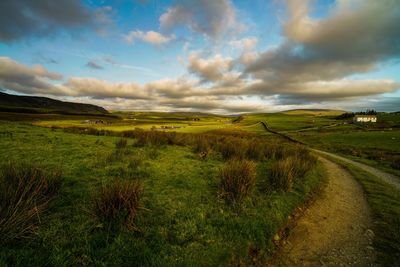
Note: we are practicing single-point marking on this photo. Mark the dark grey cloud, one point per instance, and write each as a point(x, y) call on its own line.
point(325, 90)
point(92, 64)
point(21, 19)
point(212, 18)
point(355, 38)
point(383, 103)
point(389, 104)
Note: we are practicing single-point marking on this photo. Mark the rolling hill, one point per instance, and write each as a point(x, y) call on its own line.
point(35, 104)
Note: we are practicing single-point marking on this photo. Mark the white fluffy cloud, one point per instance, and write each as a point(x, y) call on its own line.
point(103, 89)
point(151, 37)
point(211, 69)
point(222, 94)
point(18, 77)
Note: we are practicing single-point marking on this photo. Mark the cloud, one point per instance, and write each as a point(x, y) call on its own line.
point(390, 104)
point(110, 60)
point(18, 77)
point(212, 104)
point(248, 58)
point(336, 90)
point(212, 69)
point(245, 44)
point(212, 18)
point(318, 54)
point(95, 88)
point(94, 65)
point(163, 94)
point(151, 37)
point(21, 19)
point(174, 88)
point(355, 30)
point(229, 93)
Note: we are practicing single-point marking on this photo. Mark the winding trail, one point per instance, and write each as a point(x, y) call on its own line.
point(387, 177)
point(335, 230)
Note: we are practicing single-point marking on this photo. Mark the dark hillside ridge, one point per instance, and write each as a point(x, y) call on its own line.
point(36, 104)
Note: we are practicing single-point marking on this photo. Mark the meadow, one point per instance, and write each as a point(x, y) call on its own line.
point(189, 201)
point(218, 190)
point(375, 144)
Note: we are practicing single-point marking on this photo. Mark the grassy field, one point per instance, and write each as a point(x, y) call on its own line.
point(374, 144)
point(283, 122)
point(177, 122)
point(183, 219)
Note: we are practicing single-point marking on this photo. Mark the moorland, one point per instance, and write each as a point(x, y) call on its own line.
point(176, 189)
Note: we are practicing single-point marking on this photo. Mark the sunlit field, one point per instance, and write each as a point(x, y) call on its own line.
point(186, 214)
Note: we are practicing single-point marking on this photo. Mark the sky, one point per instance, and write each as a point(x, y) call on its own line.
point(216, 56)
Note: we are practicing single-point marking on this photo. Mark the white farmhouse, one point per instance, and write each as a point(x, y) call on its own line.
point(364, 118)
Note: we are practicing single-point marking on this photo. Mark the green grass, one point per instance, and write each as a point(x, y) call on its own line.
point(187, 123)
point(384, 201)
point(288, 122)
point(376, 148)
point(374, 144)
point(183, 221)
point(386, 140)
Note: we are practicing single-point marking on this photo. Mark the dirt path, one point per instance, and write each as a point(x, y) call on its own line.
point(387, 177)
point(335, 230)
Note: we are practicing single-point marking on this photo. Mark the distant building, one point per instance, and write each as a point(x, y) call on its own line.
point(171, 127)
point(364, 118)
point(97, 122)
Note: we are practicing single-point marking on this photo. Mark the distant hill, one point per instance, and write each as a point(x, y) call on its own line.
point(35, 104)
point(314, 112)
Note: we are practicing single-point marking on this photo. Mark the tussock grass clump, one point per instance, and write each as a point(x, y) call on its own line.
point(135, 162)
point(304, 164)
point(153, 153)
point(152, 138)
point(121, 143)
point(238, 178)
point(255, 150)
point(269, 150)
point(285, 172)
point(118, 204)
point(232, 147)
point(115, 155)
point(25, 194)
point(84, 130)
point(282, 174)
point(201, 144)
